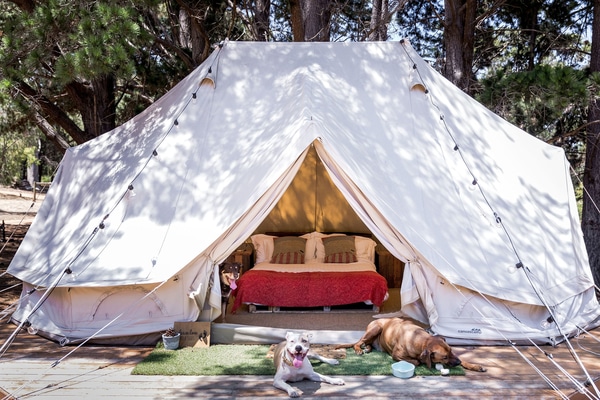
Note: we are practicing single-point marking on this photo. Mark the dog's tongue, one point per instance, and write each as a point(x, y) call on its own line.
point(298, 360)
point(232, 284)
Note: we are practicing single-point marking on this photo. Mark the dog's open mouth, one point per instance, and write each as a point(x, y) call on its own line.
point(232, 284)
point(298, 358)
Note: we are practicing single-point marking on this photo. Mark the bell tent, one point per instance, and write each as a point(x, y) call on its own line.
point(484, 216)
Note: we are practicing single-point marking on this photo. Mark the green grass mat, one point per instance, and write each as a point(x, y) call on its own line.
point(252, 360)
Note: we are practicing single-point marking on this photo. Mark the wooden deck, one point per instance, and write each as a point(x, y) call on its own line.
point(26, 371)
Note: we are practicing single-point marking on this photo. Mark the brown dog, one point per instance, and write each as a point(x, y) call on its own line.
point(406, 339)
point(228, 273)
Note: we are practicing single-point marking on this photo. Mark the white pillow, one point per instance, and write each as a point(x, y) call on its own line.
point(315, 250)
point(263, 246)
point(365, 248)
point(311, 246)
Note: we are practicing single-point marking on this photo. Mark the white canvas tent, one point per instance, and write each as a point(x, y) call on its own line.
point(136, 221)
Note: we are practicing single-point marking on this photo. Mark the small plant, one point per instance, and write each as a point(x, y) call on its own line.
point(170, 333)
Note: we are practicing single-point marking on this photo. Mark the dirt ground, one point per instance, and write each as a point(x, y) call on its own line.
point(17, 211)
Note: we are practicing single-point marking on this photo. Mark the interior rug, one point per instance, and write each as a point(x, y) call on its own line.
point(258, 360)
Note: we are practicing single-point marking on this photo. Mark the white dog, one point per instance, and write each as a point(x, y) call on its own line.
point(292, 364)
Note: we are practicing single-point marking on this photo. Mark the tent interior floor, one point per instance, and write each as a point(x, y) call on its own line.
point(338, 319)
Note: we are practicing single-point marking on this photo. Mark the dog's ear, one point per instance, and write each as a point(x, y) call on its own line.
point(288, 335)
point(425, 357)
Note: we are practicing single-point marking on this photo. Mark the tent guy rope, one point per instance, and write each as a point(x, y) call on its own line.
point(15, 393)
point(519, 265)
point(89, 239)
point(100, 226)
point(253, 127)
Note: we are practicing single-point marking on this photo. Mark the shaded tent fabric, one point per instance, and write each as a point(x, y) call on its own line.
point(136, 220)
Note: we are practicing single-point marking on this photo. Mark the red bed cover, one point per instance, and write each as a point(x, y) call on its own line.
point(309, 289)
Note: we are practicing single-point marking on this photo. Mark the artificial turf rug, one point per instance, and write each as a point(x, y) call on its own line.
point(258, 360)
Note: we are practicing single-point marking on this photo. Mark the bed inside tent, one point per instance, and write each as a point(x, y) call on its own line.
point(312, 206)
point(313, 212)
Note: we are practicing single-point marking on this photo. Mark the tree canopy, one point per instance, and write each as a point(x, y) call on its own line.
point(73, 70)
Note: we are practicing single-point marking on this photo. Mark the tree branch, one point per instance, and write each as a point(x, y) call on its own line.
point(50, 132)
point(54, 113)
point(572, 133)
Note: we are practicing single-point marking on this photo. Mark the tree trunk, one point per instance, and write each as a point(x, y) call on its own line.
point(591, 176)
point(261, 15)
point(459, 41)
point(378, 27)
point(96, 104)
point(296, 20)
point(310, 20)
point(191, 31)
point(54, 114)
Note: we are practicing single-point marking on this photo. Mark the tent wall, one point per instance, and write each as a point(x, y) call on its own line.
point(431, 173)
point(131, 312)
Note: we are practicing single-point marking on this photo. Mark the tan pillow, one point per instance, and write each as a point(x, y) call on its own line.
point(289, 250)
point(290, 257)
point(339, 249)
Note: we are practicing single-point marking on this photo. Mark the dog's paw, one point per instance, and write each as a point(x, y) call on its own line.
point(476, 368)
point(294, 393)
point(333, 361)
point(337, 381)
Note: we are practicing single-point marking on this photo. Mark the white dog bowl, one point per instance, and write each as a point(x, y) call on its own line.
point(403, 369)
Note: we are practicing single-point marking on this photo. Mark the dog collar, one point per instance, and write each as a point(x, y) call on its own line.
point(286, 360)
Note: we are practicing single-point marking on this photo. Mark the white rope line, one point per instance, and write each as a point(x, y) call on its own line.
point(569, 376)
point(499, 221)
point(8, 310)
point(512, 344)
point(42, 299)
point(585, 189)
point(85, 341)
point(13, 306)
point(574, 354)
point(588, 333)
point(88, 241)
point(587, 350)
point(10, 287)
point(540, 372)
point(491, 304)
point(15, 230)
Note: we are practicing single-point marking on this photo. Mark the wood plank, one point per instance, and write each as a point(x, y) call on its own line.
point(105, 372)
